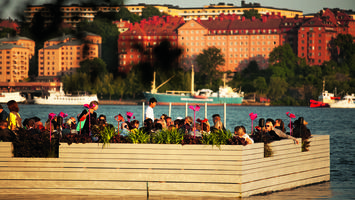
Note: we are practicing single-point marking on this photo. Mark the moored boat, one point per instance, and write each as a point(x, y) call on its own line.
point(60, 98)
point(348, 101)
point(324, 99)
point(7, 96)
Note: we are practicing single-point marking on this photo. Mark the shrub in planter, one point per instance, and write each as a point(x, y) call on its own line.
point(32, 143)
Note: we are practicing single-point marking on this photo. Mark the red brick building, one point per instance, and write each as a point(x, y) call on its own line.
point(135, 45)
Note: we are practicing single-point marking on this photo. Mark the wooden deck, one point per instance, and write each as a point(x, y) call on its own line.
point(164, 169)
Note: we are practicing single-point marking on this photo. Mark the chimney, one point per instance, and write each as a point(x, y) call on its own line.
point(243, 19)
point(198, 20)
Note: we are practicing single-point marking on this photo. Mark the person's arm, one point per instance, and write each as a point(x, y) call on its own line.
point(284, 135)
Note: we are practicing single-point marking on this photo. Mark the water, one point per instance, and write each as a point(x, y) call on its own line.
point(338, 123)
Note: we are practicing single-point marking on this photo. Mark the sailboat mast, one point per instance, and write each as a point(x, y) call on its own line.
point(192, 80)
point(154, 90)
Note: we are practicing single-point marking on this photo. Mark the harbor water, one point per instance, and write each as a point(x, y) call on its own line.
point(338, 123)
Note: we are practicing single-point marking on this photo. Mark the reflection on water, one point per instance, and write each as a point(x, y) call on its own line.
point(338, 123)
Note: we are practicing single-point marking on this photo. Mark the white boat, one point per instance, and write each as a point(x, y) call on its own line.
point(60, 98)
point(8, 96)
point(348, 101)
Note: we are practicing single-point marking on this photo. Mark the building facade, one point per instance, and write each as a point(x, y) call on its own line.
point(136, 44)
point(15, 54)
point(63, 55)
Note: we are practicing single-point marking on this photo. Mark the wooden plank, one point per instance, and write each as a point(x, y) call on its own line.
point(117, 175)
point(283, 170)
point(285, 179)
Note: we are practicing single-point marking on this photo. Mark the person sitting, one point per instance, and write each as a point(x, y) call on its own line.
point(196, 131)
point(6, 135)
point(239, 131)
point(187, 125)
point(3, 113)
point(102, 120)
point(279, 124)
point(217, 123)
point(134, 124)
point(277, 134)
point(301, 130)
point(147, 126)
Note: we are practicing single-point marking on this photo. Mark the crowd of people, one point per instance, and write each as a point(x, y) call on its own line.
point(85, 122)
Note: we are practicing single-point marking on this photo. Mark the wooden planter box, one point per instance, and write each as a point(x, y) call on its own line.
point(165, 170)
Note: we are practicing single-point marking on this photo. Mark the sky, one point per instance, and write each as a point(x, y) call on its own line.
point(8, 8)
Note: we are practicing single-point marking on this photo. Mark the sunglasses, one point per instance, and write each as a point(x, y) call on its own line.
point(268, 126)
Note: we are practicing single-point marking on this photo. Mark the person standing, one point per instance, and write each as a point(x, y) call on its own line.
point(14, 118)
point(149, 112)
point(3, 113)
point(88, 117)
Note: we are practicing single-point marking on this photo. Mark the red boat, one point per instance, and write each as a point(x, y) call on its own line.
point(318, 104)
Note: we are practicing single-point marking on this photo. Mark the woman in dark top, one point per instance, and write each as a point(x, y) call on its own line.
point(88, 117)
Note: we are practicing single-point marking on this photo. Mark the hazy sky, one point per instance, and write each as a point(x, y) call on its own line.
point(8, 7)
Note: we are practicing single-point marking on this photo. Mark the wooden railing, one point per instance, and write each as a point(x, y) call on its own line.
point(165, 169)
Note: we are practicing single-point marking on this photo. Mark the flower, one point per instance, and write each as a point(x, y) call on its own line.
point(253, 116)
point(63, 115)
point(88, 106)
point(196, 108)
point(51, 115)
point(119, 118)
point(290, 115)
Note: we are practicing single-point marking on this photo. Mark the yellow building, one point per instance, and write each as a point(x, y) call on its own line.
point(73, 14)
point(63, 55)
point(15, 53)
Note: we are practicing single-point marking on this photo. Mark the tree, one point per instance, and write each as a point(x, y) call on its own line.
point(94, 68)
point(346, 46)
point(250, 13)
point(260, 84)
point(208, 63)
point(277, 88)
point(109, 34)
point(150, 11)
point(128, 16)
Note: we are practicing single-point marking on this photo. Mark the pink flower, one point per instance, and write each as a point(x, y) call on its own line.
point(129, 115)
point(290, 115)
point(119, 118)
point(51, 115)
point(253, 116)
point(63, 115)
point(196, 108)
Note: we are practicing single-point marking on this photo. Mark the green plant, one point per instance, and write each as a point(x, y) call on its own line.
point(267, 150)
point(107, 133)
point(168, 137)
point(217, 138)
point(138, 136)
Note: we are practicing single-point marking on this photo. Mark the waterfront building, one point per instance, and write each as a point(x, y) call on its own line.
point(73, 14)
point(15, 53)
point(240, 40)
point(135, 45)
point(62, 55)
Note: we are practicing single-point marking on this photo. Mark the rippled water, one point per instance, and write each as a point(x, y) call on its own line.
point(338, 123)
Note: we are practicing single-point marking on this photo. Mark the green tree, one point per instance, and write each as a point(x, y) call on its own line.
point(109, 34)
point(208, 63)
point(260, 85)
point(150, 11)
point(277, 88)
point(94, 68)
point(250, 13)
point(128, 16)
point(345, 44)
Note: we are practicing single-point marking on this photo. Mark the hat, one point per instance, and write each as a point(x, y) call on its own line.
point(179, 118)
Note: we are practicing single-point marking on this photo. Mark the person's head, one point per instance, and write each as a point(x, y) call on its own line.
point(216, 118)
point(239, 130)
point(94, 105)
point(30, 124)
point(206, 126)
point(163, 117)
point(270, 120)
point(3, 124)
point(152, 102)
point(135, 124)
point(218, 125)
point(148, 123)
point(169, 121)
point(13, 106)
point(25, 122)
point(198, 126)
point(102, 119)
point(269, 126)
point(38, 125)
point(188, 120)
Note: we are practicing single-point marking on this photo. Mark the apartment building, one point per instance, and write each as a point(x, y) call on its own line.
point(15, 53)
point(136, 44)
point(62, 55)
point(240, 40)
point(73, 14)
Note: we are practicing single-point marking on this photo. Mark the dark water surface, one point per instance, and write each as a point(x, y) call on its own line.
point(338, 123)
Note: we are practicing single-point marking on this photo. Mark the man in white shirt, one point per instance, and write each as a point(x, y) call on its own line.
point(149, 112)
